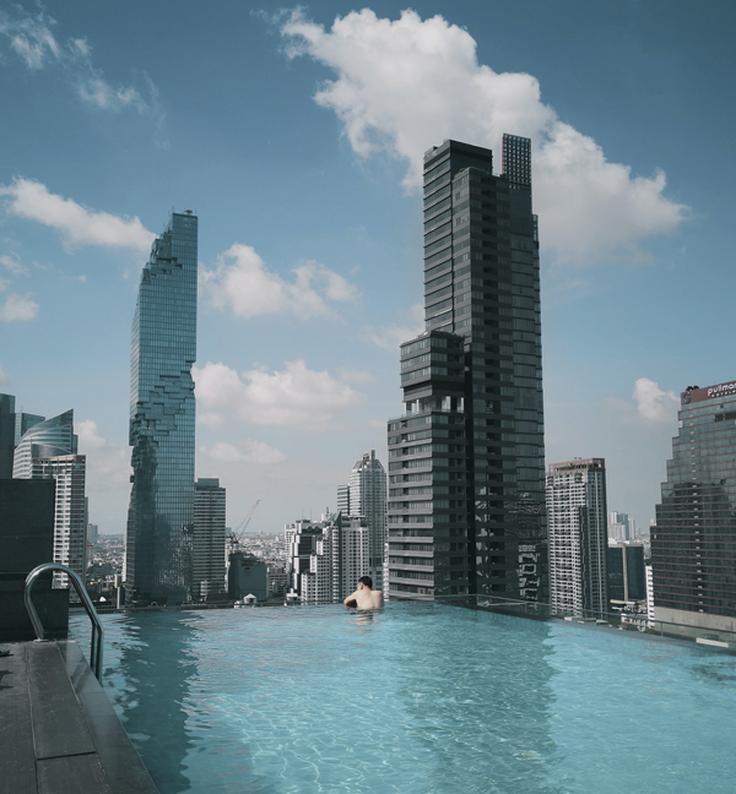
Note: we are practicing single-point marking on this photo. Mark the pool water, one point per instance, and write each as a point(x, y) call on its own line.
point(419, 698)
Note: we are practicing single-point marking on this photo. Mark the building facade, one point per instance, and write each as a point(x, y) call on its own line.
point(208, 540)
point(7, 435)
point(163, 350)
point(694, 541)
point(577, 536)
point(626, 574)
point(466, 458)
point(48, 450)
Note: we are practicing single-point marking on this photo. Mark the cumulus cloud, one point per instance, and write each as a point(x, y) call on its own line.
point(16, 308)
point(242, 283)
point(653, 402)
point(32, 39)
point(79, 226)
point(257, 452)
point(401, 86)
point(89, 435)
point(295, 396)
point(389, 337)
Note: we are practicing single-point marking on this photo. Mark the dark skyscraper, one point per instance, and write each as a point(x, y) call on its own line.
point(7, 435)
point(466, 459)
point(163, 350)
point(694, 542)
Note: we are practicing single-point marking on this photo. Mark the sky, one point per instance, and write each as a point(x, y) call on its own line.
point(296, 136)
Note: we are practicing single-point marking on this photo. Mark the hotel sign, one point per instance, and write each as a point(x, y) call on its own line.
point(727, 389)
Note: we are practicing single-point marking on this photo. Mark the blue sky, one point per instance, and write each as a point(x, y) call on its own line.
point(296, 137)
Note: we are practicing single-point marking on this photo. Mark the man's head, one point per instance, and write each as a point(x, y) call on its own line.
point(365, 582)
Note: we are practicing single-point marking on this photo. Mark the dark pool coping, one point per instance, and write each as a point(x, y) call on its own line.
point(59, 733)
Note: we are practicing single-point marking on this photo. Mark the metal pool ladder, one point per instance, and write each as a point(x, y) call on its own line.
point(95, 649)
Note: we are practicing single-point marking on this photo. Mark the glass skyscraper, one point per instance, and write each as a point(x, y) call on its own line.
point(163, 350)
point(694, 541)
point(466, 459)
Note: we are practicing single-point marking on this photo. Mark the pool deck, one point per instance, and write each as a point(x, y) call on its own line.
point(58, 731)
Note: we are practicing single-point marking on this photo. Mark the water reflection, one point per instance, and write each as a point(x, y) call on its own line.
point(152, 685)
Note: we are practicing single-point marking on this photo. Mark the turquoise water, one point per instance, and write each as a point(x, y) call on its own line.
point(420, 698)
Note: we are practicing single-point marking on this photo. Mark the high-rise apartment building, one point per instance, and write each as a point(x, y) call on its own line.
point(208, 539)
point(326, 559)
point(48, 450)
point(163, 350)
point(694, 541)
point(466, 458)
point(343, 499)
point(577, 536)
point(367, 500)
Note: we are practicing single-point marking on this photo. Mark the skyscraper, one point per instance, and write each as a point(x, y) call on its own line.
point(48, 450)
point(163, 350)
point(208, 539)
point(7, 435)
point(577, 536)
point(367, 500)
point(694, 541)
point(466, 459)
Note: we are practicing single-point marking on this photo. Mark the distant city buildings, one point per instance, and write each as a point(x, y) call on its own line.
point(466, 458)
point(364, 497)
point(694, 540)
point(325, 559)
point(163, 350)
point(577, 533)
point(48, 450)
point(621, 527)
point(247, 575)
point(208, 540)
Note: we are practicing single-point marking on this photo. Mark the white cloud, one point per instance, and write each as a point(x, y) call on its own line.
point(210, 419)
point(32, 39)
point(18, 308)
point(12, 265)
point(89, 435)
point(295, 396)
point(242, 283)
point(26, 198)
point(389, 337)
point(404, 85)
point(654, 403)
point(248, 452)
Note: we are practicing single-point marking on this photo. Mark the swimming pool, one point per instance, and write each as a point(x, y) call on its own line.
point(420, 698)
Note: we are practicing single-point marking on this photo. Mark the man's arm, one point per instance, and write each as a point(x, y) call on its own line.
point(351, 597)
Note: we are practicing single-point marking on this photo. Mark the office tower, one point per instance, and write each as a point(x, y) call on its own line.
point(7, 435)
point(301, 539)
point(367, 500)
point(93, 532)
point(625, 574)
point(208, 539)
point(577, 536)
point(343, 499)
point(48, 450)
point(694, 540)
point(24, 422)
point(247, 575)
point(466, 458)
point(163, 350)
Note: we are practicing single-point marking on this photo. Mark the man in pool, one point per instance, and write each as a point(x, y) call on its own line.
point(365, 597)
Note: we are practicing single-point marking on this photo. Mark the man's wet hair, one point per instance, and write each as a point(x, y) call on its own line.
point(367, 581)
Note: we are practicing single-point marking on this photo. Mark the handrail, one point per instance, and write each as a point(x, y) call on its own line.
point(95, 650)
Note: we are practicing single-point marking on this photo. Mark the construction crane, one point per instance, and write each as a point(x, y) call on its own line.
point(236, 536)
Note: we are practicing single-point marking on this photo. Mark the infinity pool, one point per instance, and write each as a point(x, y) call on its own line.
point(420, 698)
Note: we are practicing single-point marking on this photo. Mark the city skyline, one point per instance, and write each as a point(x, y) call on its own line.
point(355, 244)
